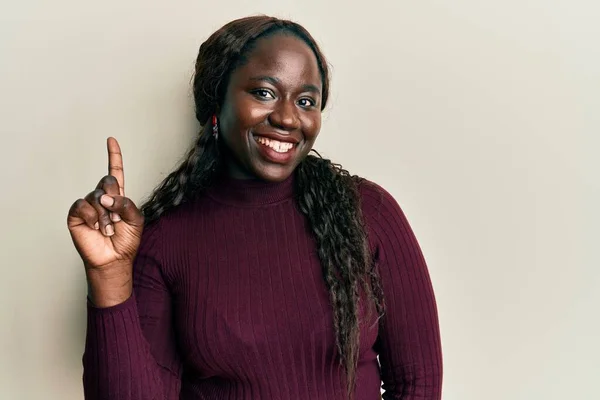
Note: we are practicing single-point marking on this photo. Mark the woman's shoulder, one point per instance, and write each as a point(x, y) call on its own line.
point(375, 198)
point(384, 219)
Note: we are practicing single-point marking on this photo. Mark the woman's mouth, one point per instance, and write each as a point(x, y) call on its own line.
point(275, 151)
point(280, 147)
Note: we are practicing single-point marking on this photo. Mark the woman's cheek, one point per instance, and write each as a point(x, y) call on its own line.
point(312, 126)
point(252, 113)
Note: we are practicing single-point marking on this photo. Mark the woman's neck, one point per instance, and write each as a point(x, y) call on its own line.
point(249, 191)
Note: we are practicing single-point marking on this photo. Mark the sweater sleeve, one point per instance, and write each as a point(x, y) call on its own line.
point(130, 351)
point(408, 344)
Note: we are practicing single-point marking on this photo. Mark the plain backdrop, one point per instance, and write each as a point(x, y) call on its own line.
point(480, 117)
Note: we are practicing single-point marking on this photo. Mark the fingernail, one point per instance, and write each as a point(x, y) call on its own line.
point(107, 201)
point(109, 230)
point(96, 225)
point(115, 217)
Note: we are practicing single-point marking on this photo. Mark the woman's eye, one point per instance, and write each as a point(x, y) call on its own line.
point(305, 102)
point(263, 94)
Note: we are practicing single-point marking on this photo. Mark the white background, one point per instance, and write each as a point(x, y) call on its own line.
point(480, 117)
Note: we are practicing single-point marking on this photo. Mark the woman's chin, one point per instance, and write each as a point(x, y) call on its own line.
point(273, 172)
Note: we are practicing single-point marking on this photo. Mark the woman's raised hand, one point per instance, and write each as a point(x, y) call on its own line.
point(106, 228)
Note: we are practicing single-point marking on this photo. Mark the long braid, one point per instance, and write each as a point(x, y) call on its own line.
point(328, 197)
point(193, 175)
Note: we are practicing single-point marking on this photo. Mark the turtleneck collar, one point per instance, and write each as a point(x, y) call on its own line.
point(251, 192)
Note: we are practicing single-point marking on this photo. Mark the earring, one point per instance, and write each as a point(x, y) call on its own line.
point(215, 126)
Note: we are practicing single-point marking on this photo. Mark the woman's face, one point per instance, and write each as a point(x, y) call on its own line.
point(271, 115)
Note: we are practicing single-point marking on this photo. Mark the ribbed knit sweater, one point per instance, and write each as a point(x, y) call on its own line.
point(230, 303)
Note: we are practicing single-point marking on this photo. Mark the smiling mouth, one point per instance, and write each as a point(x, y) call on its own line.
point(276, 145)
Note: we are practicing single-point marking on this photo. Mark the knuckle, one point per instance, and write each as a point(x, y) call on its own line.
point(93, 197)
point(79, 203)
point(109, 179)
point(77, 206)
point(128, 204)
point(98, 193)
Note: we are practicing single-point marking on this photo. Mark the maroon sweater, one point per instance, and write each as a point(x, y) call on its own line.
point(230, 304)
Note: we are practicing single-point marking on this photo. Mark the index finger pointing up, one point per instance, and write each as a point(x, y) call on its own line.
point(115, 163)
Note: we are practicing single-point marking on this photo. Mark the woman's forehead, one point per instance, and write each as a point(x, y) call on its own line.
point(283, 56)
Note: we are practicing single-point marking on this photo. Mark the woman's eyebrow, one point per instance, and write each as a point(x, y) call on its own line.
point(265, 78)
point(308, 87)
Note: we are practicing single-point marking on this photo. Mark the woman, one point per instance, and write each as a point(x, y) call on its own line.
point(255, 270)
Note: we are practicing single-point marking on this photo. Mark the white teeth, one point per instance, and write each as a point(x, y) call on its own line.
point(280, 147)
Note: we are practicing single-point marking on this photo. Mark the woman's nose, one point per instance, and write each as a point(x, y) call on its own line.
point(285, 116)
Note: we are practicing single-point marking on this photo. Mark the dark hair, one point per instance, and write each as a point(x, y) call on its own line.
point(327, 194)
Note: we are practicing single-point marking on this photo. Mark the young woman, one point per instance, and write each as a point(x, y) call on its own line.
point(255, 270)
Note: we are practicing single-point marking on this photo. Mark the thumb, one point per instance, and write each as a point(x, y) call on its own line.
point(124, 207)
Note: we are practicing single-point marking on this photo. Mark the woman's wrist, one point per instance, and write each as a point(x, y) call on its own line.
point(109, 289)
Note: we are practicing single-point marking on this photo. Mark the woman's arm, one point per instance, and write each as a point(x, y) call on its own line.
point(130, 350)
point(409, 339)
